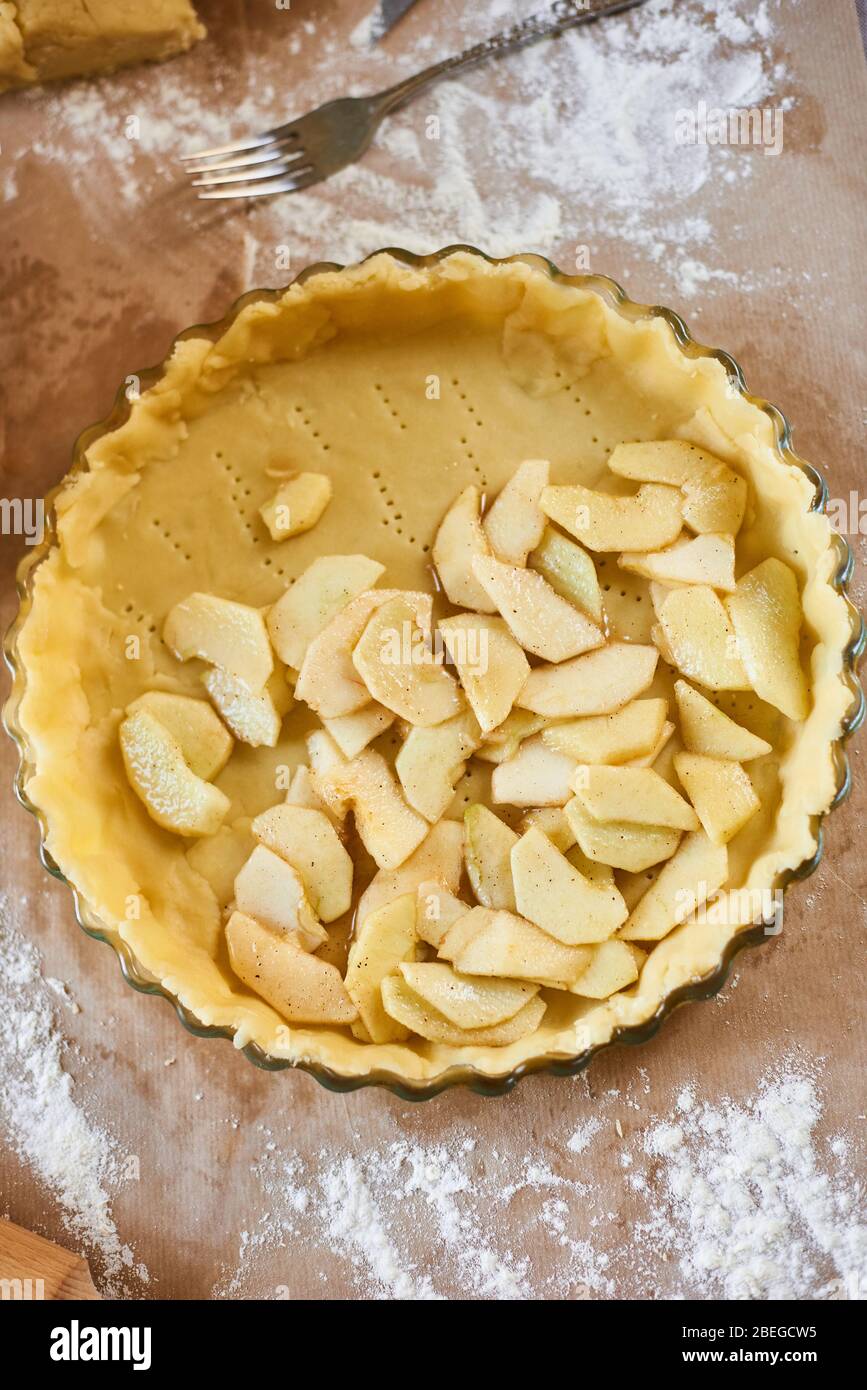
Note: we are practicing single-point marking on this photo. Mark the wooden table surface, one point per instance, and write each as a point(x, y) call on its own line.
point(95, 282)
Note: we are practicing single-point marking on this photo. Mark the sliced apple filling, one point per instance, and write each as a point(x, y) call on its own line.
point(301, 987)
point(203, 738)
point(163, 780)
point(515, 522)
point(714, 496)
point(491, 665)
point(707, 559)
point(297, 505)
point(570, 571)
point(408, 1008)
point(536, 775)
point(616, 787)
point(254, 717)
point(314, 599)
point(647, 520)
point(632, 732)
point(539, 619)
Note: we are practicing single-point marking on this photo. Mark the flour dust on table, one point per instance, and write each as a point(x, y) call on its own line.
point(584, 127)
point(75, 1160)
point(742, 1196)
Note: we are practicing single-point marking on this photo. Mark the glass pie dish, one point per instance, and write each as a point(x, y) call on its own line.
point(527, 358)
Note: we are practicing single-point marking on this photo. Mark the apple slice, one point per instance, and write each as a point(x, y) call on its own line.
point(297, 505)
point(474, 786)
point(273, 892)
point(436, 910)
point(432, 761)
point(715, 501)
point(706, 729)
point(161, 778)
point(316, 597)
point(660, 641)
point(301, 792)
point(515, 522)
point(683, 884)
point(326, 759)
point(598, 683)
point(701, 639)
point(538, 618)
point(490, 663)
point(766, 612)
point(504, 741)
point(715, 497)
point(648, 520)
point(459, 539)
point(307, 840)
point(552, 893)
point(551, 820)
point(384, 939)
point(400, 670)
point(570, 571)
point(720, 791)
point(203, 738)
point(707, 559)
point(299, 986)
point(465, 1001)
point(328, 680)
point(635, 794)
point(634, 886)
point(353, 732)
point(536, 776)
point(504, 945)
point(630, 733)
point(439, 856)
point(672, 461)
point(488, 846)
point(648, 759)
point(600, 874)
point(622, 844)
point(230, 635)
point(658, 594)
point(389, 829)
point(254, 717)
point(404, 1005)
point(615, 965)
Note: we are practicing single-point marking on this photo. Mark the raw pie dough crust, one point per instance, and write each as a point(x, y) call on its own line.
point(42, 40)
point(337, 376)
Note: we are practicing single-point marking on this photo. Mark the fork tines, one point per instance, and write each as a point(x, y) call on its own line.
point(270, 163)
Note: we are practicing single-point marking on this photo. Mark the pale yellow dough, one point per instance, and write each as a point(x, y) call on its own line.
point(41, 40)
point(336, 376)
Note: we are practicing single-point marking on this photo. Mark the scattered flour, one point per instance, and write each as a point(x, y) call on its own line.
point(75, 1159)
point(762, 1218)
point(746, 1198)
point(740, 1197)
point(551, 149)
point(580, 1140)
point(355, 1225)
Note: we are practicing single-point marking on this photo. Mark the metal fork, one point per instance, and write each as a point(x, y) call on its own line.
point(304, 152)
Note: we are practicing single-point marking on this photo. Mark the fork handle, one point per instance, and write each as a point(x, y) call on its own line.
point(563, 14)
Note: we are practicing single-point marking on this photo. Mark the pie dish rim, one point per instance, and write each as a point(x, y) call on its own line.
point(464, 1073)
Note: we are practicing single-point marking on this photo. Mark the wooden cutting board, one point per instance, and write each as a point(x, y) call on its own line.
point(33, 1268)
